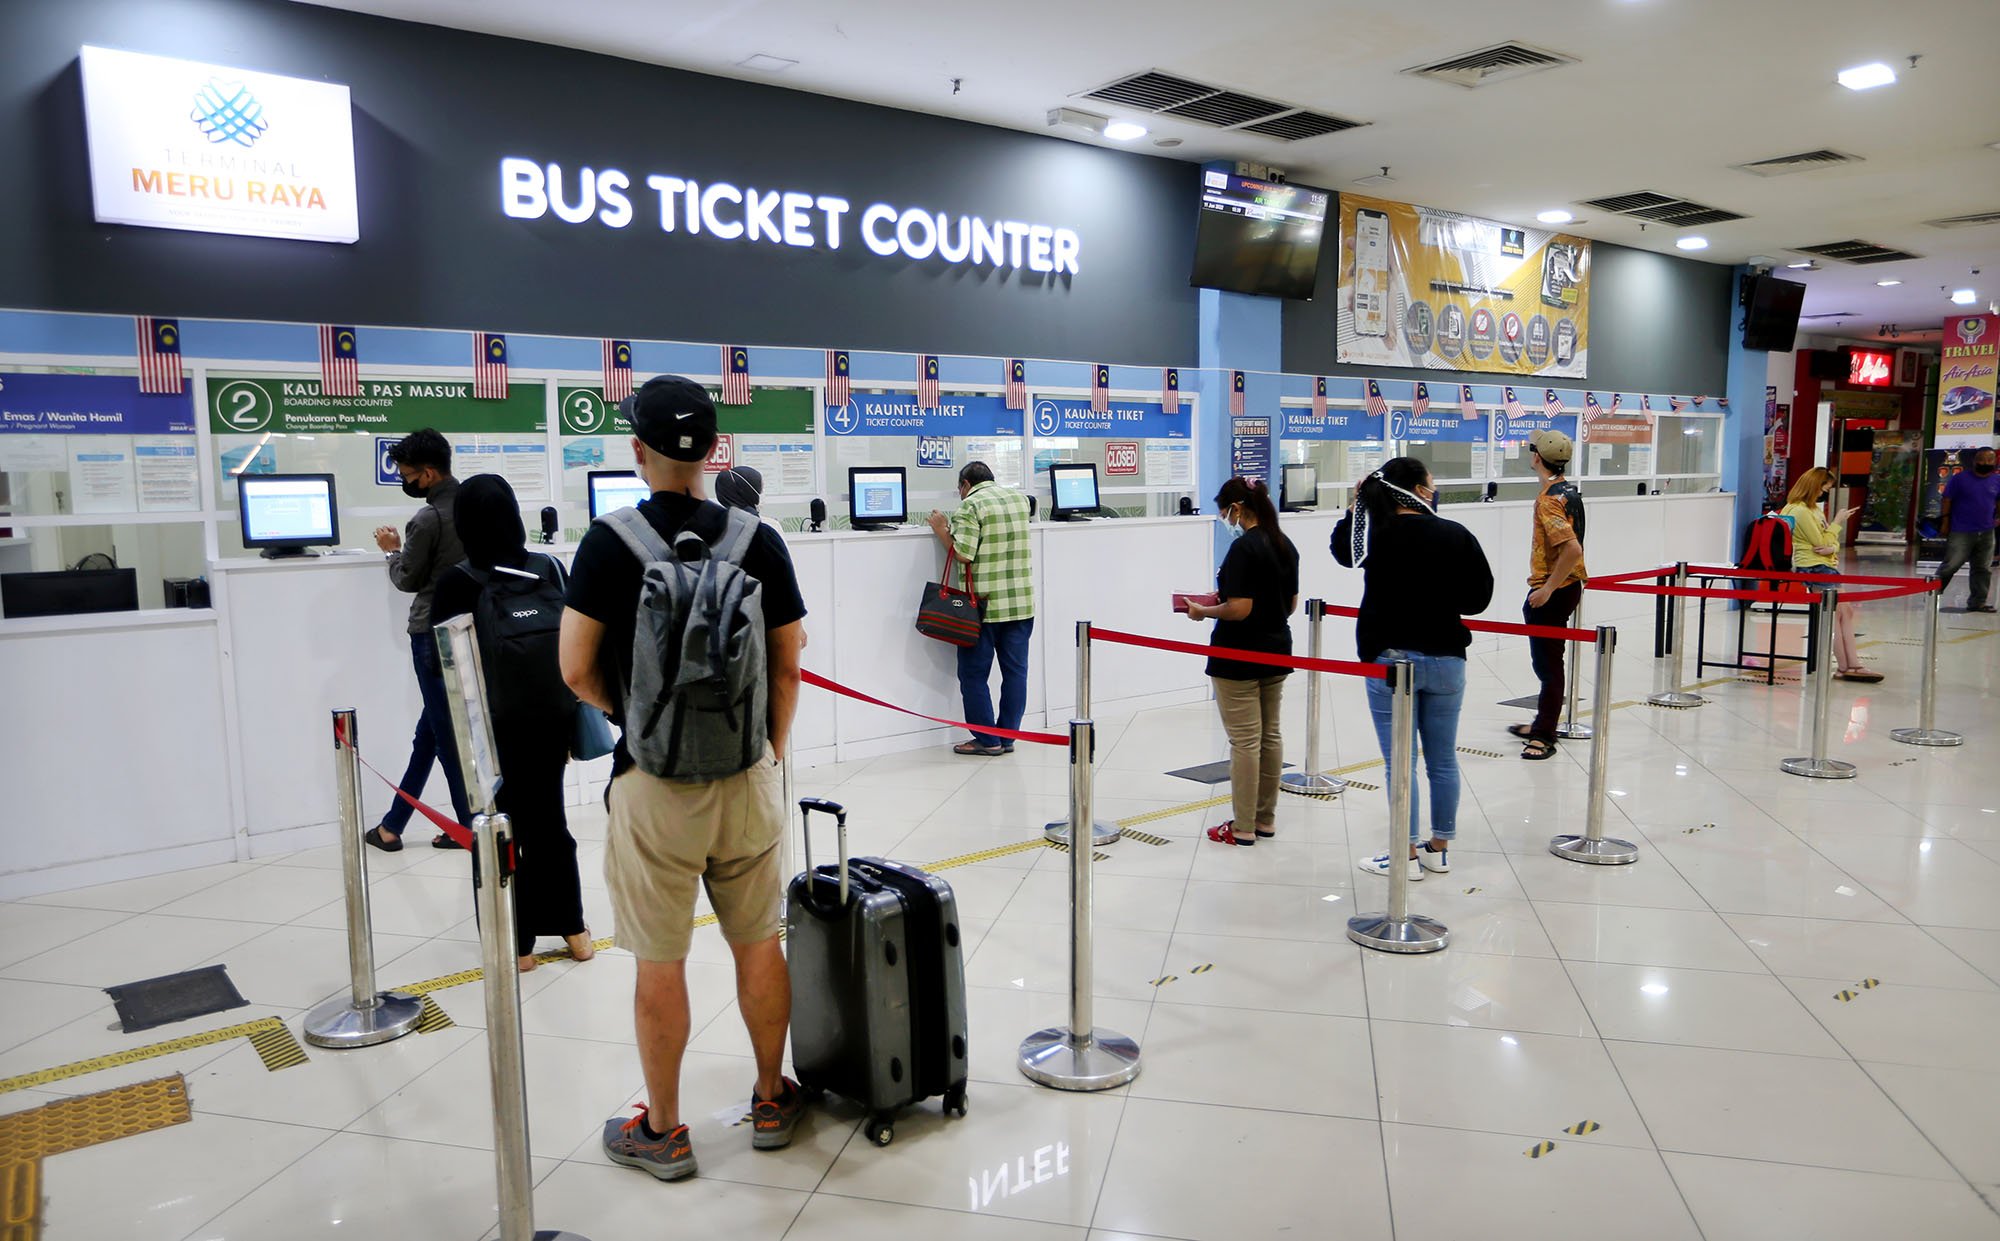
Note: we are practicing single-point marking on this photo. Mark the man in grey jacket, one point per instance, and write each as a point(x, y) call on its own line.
point(417, 558)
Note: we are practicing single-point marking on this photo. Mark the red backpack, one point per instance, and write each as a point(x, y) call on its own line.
point(1767, 546)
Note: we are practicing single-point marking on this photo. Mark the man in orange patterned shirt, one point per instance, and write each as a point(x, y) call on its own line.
point(1555, 579)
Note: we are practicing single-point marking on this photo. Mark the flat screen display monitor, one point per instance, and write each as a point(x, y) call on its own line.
point(284, 514)
point(615, 489)
point(1771, 320)
point(1298, 488)
point(1074, 490)
point(1258, 237)
point(877, 497)
point(69, 592)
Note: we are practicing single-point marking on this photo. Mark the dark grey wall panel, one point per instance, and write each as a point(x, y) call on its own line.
point(435, 111)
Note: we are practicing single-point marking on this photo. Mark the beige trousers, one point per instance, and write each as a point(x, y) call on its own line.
point(1256, 750)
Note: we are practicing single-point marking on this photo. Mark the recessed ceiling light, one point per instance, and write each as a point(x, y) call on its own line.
point(1124, 131)
point(1167, 143)
point(1964, 297)
point(1557, 216)
point(1693, 243)
point(1866, 77)
point(1887, 284)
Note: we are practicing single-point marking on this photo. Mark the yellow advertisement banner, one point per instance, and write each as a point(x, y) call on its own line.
point(1966, 382)
point(1420, 287)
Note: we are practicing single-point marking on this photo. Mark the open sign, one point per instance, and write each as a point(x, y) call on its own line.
point(1121, 457)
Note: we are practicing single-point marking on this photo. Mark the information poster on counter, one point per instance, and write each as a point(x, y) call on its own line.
point(1250, 447)
point(123, 450)
point(786, 465)
point(100, 475)
point(524, 464)
point(1169, 464)
point(169, 479)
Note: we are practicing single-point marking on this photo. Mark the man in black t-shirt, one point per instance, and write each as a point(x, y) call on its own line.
point(668, 836)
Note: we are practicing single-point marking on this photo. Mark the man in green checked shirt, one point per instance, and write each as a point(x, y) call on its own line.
point(989, 533)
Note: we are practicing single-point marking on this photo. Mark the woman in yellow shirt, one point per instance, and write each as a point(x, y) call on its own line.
point(1816, 549)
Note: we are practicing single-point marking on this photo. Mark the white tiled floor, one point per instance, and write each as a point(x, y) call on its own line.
point(1687, 1006)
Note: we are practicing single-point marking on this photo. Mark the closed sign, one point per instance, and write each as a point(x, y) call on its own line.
point(1121, 457)
point(722, 456)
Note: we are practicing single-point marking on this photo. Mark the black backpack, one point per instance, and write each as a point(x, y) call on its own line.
point(519, 622)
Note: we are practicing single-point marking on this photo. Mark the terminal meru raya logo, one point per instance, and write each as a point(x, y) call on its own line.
point(228, 112)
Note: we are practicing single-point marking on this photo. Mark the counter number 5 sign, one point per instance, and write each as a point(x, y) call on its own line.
point(1121, 457)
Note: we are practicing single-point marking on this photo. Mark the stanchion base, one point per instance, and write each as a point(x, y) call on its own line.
point(1101, 833)
point(1676, 699)
point(1415, 933)
point(338, 1024)
point(558, 1234)
point(1818, 768)
point(1574, 732)
point(1055, 1058)
point(1605, 852)
point(1310, 784)
point(1925, 736)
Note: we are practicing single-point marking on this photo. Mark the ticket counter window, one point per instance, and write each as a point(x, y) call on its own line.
point(1687, 445)
point(59, 570)
point(1449, 462)
point(1338, 465)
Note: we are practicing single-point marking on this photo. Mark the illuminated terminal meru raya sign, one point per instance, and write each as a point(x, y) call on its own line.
point(530, 190)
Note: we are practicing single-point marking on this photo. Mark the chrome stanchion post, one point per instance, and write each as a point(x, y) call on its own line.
point(1593, 847)
point(1675, 695)
point(1818, 766)
point(1569, 729)
point(465, 690)
point(1310, 783)
point(1080, 1056)
point(365, 1016)
point(1101, 833)
point(1398, 930)
point(1926, 732)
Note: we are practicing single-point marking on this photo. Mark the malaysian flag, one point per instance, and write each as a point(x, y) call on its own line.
point(1319, 396)
point(839, 378)
point(1100, 387)
point(1617, 399)
point(1421, 403)
point(617, 370)
point(1170, 390)
point(339, 363)
point(1468, 409)
point(1552, 404)
point(1592, 410)
point(1512, 404)
point(1700, 401)
point(735, 375)
point(927, 381)
point(1722, 402)
point(1677, 403)
point(1017, 384)
point(159, 355)
point(1646, 408)
point(1375, 405)
point(489, 366)
point(1236, 394)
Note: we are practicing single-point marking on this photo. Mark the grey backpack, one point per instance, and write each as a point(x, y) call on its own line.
point(695, 709)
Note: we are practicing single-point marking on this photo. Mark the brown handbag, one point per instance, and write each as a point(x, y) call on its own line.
point(950, 615)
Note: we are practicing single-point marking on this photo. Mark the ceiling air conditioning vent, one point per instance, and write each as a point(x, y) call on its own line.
point(1297, 126)
point(1153, 91)
point(1862, 252)
point(1661, 209)
point(1804, 161)
point(1226, 109)
point(1966, 221)
point(1492, 64)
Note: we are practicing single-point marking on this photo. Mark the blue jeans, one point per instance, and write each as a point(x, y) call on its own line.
point(431, 743)
point(1008, 640)
point(1440, 693)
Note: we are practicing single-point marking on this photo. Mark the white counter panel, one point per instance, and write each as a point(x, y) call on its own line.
point(1120, 575)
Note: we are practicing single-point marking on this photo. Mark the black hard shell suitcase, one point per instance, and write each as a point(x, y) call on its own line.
point(878, 982)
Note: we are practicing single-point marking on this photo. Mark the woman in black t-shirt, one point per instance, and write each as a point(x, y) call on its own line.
point(1423, 574)
point(1257, 591)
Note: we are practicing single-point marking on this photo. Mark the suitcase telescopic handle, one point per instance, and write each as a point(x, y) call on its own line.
point(839, 812)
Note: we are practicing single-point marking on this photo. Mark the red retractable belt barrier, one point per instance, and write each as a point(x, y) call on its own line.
point(1636, 575)
point(445, 823)
point(1342, 666)
point(815, 679)
point(1559, 633)
point(1819, 579)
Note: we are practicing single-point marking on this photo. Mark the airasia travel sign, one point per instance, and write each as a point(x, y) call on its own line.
point(1869, 368)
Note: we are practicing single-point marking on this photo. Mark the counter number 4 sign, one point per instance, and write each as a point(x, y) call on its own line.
point(1121, 457)
point(722, 456)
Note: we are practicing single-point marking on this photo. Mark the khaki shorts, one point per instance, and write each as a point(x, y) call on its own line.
point(667, 835)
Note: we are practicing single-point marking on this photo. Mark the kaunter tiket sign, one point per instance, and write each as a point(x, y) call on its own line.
point(214, 149)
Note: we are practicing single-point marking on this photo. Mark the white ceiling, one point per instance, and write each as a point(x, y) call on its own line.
point(1667, 95)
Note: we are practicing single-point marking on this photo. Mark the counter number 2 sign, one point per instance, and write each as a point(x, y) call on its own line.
point(1121, 457)
point(722, 456)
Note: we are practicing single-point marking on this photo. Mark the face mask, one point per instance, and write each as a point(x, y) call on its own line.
point(413, 489)
point(1983, 468)
point(1235, 531)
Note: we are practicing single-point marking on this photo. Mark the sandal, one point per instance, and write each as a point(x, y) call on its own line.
point(1225, 834)
point(1264, 835)
point(978, 748)
point(1538, 749)
point(1861, 674)
point(383, 841)
point(1523, 731)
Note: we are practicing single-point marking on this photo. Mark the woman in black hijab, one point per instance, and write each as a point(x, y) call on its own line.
point(548, 897)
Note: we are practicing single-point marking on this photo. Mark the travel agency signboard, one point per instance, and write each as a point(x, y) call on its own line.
point(1966, 381)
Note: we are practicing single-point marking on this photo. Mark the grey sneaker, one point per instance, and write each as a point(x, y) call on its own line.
point(670, 1158)
point(772, 1120)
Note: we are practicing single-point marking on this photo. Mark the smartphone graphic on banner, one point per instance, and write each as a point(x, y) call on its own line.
point(1371, 273)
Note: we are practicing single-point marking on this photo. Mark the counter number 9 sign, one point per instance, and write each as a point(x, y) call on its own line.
point(1048, 419)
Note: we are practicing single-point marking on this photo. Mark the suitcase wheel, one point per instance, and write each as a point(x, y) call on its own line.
point(881, 1130)
point(954, 1100)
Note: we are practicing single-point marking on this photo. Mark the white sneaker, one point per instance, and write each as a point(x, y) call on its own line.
point(1436, 860)
point(1379, 865)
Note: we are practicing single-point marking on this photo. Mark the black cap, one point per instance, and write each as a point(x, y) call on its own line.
point(673, 416)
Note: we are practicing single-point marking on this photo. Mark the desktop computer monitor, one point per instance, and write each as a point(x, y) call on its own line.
point(1298, 488)
point(68, 592)
point(284, 514)
point(1074, 491)
point(615, 489)
point(876, 497)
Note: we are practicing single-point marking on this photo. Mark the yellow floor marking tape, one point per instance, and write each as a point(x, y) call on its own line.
point(1096, 855)
point(1539, 1149)
point(986, 855)
point(431, 1018)
point(21, 1200)
point(1971, 637)
point(88, 1120)
point(1466, 749)
point(1154, 816)
point(1203, 968)
point(1869, 984)
point(273, 1041)
point(1161, 982)
point(1582, 1127)
point(1144, 838)
point(1364, 786)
